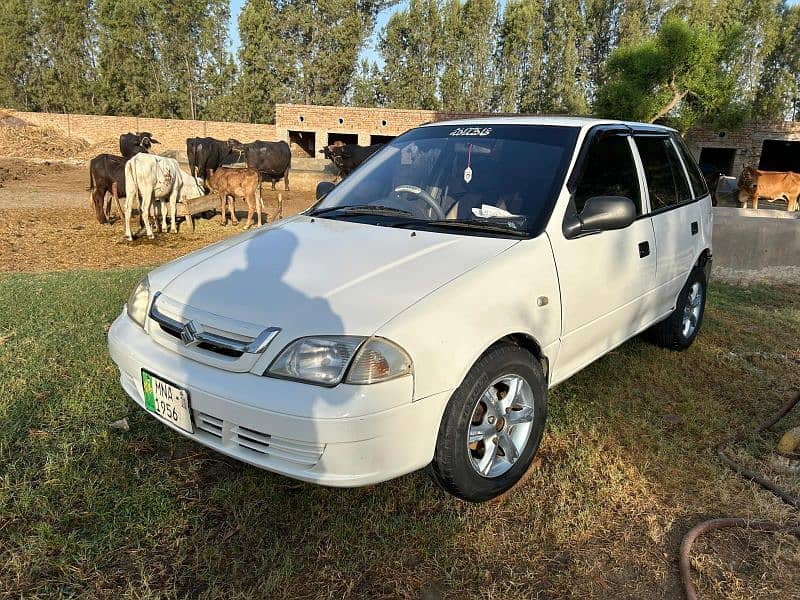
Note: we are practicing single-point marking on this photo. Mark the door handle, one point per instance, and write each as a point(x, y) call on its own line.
point(695, 228)
point(644, 249)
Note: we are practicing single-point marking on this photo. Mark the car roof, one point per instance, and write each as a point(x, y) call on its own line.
point(552, 120)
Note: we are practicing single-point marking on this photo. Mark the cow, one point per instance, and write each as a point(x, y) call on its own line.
point(271, 159)
point(347, 157)
point(209, 154)
point(770, 185)
point(229, 182)
point(131, 144)
point(106, 179)
point(149, 177)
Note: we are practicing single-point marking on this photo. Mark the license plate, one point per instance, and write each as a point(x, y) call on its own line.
point(167, 401)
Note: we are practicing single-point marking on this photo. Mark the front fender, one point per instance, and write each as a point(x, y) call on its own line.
point(449, 329)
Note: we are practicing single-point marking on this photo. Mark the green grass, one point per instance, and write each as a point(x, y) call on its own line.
point(626, 467)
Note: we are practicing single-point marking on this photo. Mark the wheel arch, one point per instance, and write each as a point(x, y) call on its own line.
point(523, 340)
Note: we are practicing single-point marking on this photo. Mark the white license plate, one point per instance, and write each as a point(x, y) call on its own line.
point(167, 401)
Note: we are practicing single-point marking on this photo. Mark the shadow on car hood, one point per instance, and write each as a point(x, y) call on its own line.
point(324, 276)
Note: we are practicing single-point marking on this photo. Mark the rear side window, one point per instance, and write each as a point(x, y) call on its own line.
point(665, 177)
point(696, 178)
point(609, 170)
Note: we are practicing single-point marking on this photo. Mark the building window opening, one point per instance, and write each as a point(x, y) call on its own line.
point(780, 155)
point(302, 143)
point(718, 159)
point(345, 138)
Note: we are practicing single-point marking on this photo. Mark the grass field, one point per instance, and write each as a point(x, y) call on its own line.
point(626, 467)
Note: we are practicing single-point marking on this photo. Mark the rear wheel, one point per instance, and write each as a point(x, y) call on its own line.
point(677, 332)
point(491, 429)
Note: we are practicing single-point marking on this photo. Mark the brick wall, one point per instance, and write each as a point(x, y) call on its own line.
point(172, 133)
point(747, 141)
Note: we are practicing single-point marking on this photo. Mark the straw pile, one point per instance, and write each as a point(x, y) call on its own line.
point(21, 139)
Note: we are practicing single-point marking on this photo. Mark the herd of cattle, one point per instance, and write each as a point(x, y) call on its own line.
point(143, 178)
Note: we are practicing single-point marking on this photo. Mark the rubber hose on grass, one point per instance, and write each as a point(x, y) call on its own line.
point(698, 530)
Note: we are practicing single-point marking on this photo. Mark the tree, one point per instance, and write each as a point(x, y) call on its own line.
point(300, 51)
point(468, 45)
point(778, 95)
point(365, 85)
point(410, 45)
point(518, 56)
point(563, 89)
point(64, 78)
point(676, 70)
point(16, 60)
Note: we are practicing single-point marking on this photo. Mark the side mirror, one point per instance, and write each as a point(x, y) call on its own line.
point(601, 213)
point(323, 187)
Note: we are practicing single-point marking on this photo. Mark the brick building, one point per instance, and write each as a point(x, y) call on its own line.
point(308, 128)
point(771, 146)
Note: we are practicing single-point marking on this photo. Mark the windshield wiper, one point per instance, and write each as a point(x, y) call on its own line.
point(462, 224)
point(362, 209)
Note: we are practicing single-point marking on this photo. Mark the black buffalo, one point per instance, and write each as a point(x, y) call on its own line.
point(207, 154)
point(131, 144)
point(106, 177)
point(347, 157)
point(271, 159)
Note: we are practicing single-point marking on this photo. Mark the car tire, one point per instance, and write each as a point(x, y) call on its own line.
point(678, 331)
point(511, 428)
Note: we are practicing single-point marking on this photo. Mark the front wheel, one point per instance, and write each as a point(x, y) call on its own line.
point(492, 426)
point(677, 332)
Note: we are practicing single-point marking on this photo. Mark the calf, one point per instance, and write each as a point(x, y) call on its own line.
point(770, 185)
point(149, 177)
point(347, 157)
point(106, 179)
point(131, 144)
point(237, 183)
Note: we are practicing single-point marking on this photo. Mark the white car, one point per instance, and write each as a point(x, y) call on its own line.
point(417, 314)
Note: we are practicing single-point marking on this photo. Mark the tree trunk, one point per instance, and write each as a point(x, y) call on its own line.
point(677, 96)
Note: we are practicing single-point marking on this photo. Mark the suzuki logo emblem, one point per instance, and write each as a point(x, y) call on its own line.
point(189, 333)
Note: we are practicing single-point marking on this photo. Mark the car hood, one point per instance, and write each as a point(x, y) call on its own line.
point(321, 276)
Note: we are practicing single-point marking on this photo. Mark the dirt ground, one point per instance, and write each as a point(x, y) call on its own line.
point(48, 224)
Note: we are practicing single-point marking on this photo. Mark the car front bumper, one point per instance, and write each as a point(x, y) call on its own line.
point(326, 439)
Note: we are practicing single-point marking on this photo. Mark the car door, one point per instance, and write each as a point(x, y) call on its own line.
point(605, 278)
point(675, 214)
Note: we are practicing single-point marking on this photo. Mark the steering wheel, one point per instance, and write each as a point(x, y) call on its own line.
point(417, 191)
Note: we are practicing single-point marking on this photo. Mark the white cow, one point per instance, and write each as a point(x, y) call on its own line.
point(150, 177)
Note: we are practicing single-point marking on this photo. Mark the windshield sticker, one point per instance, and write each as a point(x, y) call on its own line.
point(479, 131)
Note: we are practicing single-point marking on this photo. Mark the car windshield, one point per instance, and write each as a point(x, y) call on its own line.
point(484, 179)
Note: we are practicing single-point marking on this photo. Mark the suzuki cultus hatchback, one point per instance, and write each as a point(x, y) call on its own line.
point(417, 314)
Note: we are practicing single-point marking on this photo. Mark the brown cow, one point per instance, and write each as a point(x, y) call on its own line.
point(770, 185)
point(230, 182)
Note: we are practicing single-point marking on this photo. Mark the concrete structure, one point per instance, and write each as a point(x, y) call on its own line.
point(772, 146)
point(746, 239)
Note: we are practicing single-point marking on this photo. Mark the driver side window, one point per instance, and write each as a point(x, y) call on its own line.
point(608, 170)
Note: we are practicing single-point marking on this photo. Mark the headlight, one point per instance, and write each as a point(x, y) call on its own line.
point(324, 360)
point(138, 301)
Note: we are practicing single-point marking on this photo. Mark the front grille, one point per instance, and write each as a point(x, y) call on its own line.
point(203, 345)
point(263, 445)
point(194, 334)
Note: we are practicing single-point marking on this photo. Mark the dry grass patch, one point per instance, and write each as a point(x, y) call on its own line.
point(627, 466)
